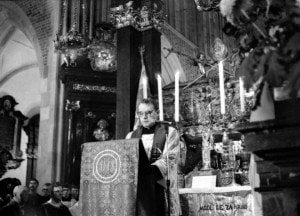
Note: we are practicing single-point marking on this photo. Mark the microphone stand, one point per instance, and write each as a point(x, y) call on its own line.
point(168, 182)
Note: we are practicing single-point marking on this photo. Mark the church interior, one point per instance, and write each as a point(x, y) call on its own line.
point(225, 74)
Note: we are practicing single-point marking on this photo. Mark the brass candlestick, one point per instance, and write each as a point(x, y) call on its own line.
point(206, 147)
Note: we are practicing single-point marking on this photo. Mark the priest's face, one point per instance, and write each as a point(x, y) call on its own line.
point(147, 114)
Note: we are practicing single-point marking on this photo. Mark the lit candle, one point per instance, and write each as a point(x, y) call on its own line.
point(222, 89)
point(160, 99)
point(144, 87)
point(242, 94)
point(65, 16)
point(176, 113)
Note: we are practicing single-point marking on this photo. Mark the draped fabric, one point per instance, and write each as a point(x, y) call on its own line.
point(139, 95)
point(237, 203)
point(108, 184)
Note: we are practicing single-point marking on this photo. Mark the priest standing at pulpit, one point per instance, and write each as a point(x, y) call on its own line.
point(155, 167)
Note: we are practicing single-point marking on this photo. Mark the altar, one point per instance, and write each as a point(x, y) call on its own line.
point(229, 201)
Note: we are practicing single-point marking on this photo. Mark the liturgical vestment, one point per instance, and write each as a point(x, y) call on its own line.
point(156, 143)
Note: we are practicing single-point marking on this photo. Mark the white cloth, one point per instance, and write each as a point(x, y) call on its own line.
point(147, 140)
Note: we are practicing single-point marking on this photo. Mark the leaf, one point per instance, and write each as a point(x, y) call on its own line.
point(275, 69)
point(250, 67)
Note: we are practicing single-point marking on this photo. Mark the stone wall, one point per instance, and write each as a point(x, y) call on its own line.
point(40, 14)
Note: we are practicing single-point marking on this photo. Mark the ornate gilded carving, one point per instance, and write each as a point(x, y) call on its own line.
point(142, 18)
point(93, 88)
point(72, 105)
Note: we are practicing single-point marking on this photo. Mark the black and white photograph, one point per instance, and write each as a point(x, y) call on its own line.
point(149, 107)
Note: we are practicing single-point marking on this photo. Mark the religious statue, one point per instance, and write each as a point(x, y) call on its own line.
point(101, 132)
point(145, 17)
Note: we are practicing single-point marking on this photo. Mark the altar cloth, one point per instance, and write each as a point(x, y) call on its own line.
point(229, 201)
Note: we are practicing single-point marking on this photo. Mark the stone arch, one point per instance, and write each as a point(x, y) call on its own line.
point(12, 13)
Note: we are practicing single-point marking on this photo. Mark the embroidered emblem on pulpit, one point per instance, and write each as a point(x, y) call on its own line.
point(106, 166)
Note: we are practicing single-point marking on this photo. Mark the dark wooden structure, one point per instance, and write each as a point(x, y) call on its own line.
point(129, 69)
point(89, 96)
point(276, 144)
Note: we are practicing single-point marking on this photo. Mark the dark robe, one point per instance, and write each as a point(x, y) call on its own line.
point(151, 199)
point(50, 210)
point(33, 205)
point(45, 199)
point(11, 209)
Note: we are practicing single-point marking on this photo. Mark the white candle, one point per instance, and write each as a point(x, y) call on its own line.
point(144, 87)
point(176, 113)
point(222, 89)
point(160, 99)
point(242, 94)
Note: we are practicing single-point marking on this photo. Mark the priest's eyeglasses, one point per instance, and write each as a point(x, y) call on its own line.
point(147, 113)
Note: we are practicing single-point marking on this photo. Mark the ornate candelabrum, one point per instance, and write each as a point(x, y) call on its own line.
point(102, 51)
point(225, 176)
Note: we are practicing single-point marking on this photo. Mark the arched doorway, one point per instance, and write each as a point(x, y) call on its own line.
point(20, 74)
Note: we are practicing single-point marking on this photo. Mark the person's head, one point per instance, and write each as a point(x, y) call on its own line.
point(33, 185)
point(66, 191)
point(74, 192)
point(7, 186)
point(20, 193)
point(56, 192)
point(46, 190)
point(147, 112)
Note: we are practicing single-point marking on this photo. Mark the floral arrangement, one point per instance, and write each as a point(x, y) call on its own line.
point(268, 33)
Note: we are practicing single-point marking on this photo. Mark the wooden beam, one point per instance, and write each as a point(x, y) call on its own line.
point(128, 73)
point(152, 56)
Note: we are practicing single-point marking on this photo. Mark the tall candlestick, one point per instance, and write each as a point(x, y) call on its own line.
point(160, 99)
point(65, 17)
point(91, 25)
point(242, 94)
point(144, 87)
point(176, 113)
point(222, 89)
point(84, 17)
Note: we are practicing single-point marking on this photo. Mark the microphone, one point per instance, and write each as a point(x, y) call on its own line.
point(165, 122)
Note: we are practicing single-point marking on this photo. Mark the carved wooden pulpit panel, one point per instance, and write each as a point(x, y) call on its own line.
point(11, 122)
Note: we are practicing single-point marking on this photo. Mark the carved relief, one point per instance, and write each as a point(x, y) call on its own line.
point(93, 88)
